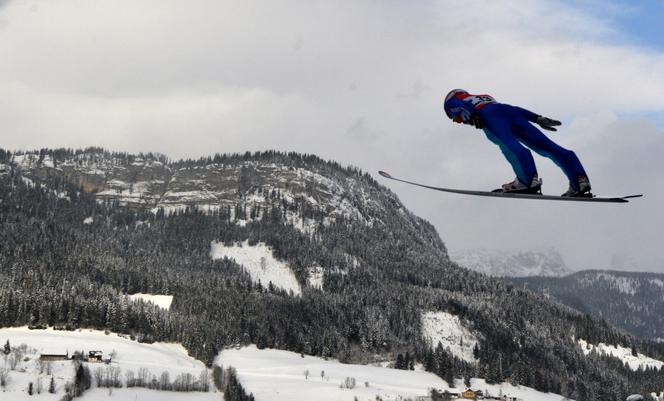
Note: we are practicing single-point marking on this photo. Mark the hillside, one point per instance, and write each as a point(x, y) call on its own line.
point(135, 371)
point(497, 263)
point(631, 300)
point(352, 274)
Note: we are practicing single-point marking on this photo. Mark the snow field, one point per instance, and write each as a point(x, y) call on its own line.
point(129, 355)
point(447, 329)
point(143, 394)
point(521, 393)
point(260, 263)
point(274, 375)
point(622, 353)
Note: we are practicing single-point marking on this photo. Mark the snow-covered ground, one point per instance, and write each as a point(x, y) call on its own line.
point(522, 393)
point(142, 394)
point(128, 355)
point(162, 301)
point(622, 353)
point(260, 263)
point(274, 375)
point(447, 329)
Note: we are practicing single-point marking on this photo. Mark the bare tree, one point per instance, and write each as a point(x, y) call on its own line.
point(41, 364)
point(165, 381)
point(40, 387)
point(99, 376)
point(15, 358)
point(4, 377)
point(142, 379)
point(130, 378)
point(115, 373)
point(306, 374)
point(204, 381)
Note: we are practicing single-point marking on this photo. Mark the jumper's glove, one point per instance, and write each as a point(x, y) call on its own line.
point(547, 123)
point(476, 121)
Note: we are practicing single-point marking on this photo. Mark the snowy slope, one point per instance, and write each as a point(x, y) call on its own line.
point(162, 301)
point(450, 332)
point(260, 263)
point(622, 353)
point(274, 375)
point(500, 263)
point(129, 355)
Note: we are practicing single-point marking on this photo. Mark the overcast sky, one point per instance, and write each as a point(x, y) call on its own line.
point(362, 82)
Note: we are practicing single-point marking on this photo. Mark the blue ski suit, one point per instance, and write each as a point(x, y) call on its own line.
point(510, 128)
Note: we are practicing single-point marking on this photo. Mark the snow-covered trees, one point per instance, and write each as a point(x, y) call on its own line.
point(377, 279)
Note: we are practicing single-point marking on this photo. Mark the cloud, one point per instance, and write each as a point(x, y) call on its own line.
point(359, 82)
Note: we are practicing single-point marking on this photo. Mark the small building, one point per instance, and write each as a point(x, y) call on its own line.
point(469, 394)
point(95, 356)
point(54, 357)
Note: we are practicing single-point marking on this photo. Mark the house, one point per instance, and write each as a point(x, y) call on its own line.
point(469, 394)
point(54, 357)
point(95, 356)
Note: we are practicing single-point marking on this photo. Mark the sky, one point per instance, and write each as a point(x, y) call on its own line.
point(362, 83)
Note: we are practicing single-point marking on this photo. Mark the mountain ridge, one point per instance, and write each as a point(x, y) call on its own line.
point(633, 301)
point(512, 263)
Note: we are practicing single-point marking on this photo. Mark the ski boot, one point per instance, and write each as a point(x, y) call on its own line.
point(517, 186)
point(582, 190)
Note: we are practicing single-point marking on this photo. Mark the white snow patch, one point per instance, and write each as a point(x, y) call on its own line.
point(260, 263)
point(88, 220)
point(162, 301)
point(28, 182)
point(622, 353)
point(315, 279)
point(447, 329)
point(657, 282)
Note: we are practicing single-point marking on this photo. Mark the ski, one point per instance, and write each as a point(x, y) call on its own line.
point(617, 199)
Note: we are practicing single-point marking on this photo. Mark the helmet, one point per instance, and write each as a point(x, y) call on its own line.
point(449, 96)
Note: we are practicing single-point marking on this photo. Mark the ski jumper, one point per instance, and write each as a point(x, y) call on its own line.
point(510, 128)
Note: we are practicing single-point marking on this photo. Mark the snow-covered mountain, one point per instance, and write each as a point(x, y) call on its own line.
point(500, 263)
point(284, 251)
point(631, 300)
point(316, 192)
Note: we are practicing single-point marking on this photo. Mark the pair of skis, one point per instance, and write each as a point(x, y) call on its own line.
point(617, 199)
